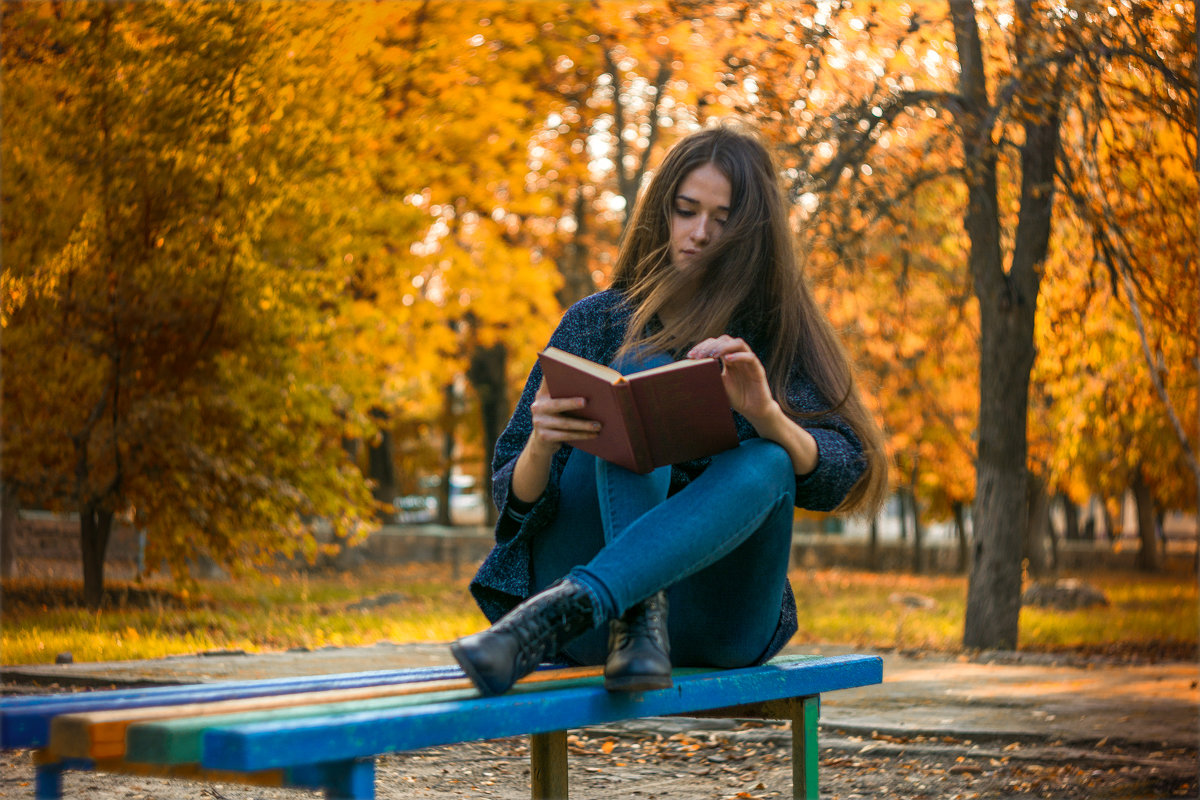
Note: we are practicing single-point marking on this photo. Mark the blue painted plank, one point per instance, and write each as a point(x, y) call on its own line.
point(25, 721)
point(267, 745)
point(179, 741)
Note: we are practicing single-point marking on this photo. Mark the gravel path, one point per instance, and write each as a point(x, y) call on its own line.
point(671, 759)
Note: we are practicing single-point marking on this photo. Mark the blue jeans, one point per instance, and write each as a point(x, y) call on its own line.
point(719, 546)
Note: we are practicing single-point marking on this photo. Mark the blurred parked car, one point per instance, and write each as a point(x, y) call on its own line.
point(412, 509)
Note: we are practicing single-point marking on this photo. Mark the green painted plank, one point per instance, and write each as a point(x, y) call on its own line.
point(25, 721)
point(255, 746)
point(179, 741)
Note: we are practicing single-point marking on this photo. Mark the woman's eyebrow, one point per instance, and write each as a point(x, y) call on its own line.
point(687, 199)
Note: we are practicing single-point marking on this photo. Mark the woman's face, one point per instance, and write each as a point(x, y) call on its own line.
point(698, 214)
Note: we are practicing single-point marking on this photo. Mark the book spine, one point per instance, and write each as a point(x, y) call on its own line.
point(639, 443)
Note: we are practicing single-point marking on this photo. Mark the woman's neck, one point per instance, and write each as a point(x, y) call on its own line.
point(674, 309)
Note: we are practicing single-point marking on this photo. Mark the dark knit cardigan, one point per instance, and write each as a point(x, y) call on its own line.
point(594, 328)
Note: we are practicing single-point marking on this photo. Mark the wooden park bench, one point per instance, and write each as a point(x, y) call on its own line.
point(325, 732)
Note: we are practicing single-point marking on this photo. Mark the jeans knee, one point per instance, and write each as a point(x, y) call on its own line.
point(775, 458)
point(767, 464)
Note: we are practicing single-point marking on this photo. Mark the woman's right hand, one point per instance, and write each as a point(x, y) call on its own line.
point(552, 427)
point(553, 423)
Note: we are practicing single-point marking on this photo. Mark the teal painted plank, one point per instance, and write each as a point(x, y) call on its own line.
point(170, 742)
point(267, 745)
point(178, 741)
point(25, 721)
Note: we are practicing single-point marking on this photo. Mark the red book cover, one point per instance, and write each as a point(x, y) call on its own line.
point(664, 415)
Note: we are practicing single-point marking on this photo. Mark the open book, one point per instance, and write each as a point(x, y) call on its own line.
point(659, 416)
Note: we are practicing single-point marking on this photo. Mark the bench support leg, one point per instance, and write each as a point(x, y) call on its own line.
point(805, 753)
point(342, 780)
point(48, 781)
point(548, 765)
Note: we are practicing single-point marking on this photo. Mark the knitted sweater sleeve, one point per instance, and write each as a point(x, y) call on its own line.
point(592, 328)
point(840, 458)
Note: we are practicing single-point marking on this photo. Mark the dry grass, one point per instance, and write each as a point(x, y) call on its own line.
point(1150, 616)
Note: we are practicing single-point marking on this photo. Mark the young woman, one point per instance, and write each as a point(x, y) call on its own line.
point(590, 556)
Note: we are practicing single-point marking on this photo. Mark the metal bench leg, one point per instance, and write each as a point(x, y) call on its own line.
point(48, 781)
point(548, 765)
point(341, 780)
point(805, 753)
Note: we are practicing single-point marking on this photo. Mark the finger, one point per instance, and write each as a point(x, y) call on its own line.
point(741, 358)
point(558, 405)
point(543, 399)
point(718, 347)
point(559, 422)
point(706, 348)
point(565, 429)
point(560, 415)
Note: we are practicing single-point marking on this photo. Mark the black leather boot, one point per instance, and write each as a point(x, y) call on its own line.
point(535, 630)
point(639, 653)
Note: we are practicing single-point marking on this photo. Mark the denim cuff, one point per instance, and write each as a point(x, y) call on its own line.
point(602, 611)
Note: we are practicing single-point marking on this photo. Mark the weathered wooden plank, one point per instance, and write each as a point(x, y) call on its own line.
point(101, 734)
point(25, 721)
point(548, 765)
point(179, 741)
point(281, 744)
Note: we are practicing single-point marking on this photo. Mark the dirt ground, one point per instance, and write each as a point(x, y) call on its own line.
point(674, 759)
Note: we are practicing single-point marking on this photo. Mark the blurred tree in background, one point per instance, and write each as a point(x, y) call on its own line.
point(176, 182)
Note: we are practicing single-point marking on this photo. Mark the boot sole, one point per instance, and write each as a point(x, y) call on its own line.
point(469, 670)
point(638, 683)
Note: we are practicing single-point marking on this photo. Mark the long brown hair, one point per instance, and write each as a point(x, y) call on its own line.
point(750, 282)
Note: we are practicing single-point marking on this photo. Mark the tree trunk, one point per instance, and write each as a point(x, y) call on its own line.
point(960, 533)
point(575, 265)
point(630, 181)
point(1007, 305)
point(95, 525)
point(1052, 541)
point(1148, 559)
point(353, 448)
point(381, 465)
point(1071, 531)
point(1110, 524)
point(488, 373)
point(918, 552)
point(1196, 167)
point(9, 513)
point(1036, 528)
point(449, 418)
point(873, 546)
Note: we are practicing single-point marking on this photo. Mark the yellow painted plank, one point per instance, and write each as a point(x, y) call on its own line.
point(101, 734)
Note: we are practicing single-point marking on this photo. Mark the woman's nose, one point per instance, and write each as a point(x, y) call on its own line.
point(700, 232)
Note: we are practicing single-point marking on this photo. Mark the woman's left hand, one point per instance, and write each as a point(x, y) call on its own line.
point(743, 374)
point(750, 395)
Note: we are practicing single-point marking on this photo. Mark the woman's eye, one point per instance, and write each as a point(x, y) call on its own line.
point(683, 212)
